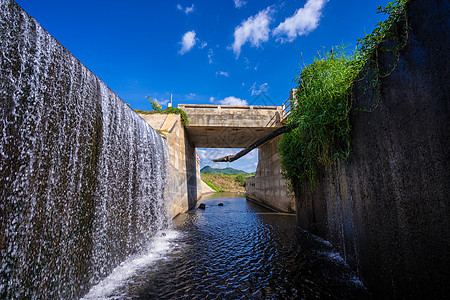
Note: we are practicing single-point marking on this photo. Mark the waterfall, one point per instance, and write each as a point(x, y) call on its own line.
point(81, 175)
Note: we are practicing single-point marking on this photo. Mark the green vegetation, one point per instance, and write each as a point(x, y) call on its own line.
point(394, 28)
point(208, 169)
point(178, 111)
point(169, 110)
point(225, 182)
point(240, 178)
point(390, 36)
point(211, 185)
point(323, 99)
point(320, 116)
point(155, 105)
point(162, 132)
point(157, 109)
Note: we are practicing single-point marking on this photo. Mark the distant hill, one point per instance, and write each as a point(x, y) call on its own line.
point(209, 170)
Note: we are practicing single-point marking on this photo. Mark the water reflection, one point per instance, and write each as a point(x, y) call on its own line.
point(243, 251)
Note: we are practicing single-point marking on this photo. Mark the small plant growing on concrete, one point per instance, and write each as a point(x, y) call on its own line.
point(169, 110)
point(155, 105)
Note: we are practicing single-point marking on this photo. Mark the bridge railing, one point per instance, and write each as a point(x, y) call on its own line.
point(286, 108)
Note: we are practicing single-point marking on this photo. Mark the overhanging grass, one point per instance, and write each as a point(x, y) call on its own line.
point(320, 111)
point(320, 115)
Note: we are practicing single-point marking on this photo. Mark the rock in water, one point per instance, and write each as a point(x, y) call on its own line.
point(220, 204)
point(202, 206)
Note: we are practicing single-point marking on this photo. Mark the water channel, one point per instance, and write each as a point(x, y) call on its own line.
point(236, 251)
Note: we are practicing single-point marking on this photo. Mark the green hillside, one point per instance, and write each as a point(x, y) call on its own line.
point(225, 171)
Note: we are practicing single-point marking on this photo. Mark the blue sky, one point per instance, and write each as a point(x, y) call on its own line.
point(219, 52)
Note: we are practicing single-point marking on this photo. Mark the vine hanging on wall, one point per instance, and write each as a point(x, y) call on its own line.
point(390, 36)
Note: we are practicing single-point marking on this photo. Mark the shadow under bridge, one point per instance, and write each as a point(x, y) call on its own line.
point(230, 126)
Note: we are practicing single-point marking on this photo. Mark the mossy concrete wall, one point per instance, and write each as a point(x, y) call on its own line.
point(387, 208)
point(267, 186)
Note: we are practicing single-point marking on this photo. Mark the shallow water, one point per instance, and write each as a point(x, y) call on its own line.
point(236, 251)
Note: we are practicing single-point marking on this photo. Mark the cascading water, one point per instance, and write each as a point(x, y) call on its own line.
point(81, 175)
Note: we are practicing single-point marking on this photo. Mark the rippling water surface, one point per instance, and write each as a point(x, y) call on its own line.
point(236, 251)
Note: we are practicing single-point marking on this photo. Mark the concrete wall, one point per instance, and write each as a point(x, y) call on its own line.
point(184, 186)
point(200, 184)
point(387, 207)
point(267, 186)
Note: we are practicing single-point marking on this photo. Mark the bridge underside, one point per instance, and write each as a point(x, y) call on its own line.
point(226, 126)
point(226, 137)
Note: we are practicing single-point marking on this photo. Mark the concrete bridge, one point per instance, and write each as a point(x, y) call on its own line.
point(230, 126)
point(222, 126)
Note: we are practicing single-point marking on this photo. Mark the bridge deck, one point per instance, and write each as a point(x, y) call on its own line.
point(230, 126)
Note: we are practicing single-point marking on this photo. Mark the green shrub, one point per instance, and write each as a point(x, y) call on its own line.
point(240, 178)
point(178, 111)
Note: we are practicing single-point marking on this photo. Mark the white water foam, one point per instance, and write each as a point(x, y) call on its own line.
point(335, 257)
point(157, 249)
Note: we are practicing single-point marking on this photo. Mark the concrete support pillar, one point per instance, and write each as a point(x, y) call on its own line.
point(267, 186)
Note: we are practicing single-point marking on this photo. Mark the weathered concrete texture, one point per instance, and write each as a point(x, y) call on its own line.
point(226, 126)
point(267, 186)
point(184, 186)
point(387, 208)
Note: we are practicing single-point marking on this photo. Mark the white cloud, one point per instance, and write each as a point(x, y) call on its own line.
point(203, 45)
point(222, 73)
point(187, 10)
point(304, 21)
point(190, 9)
point(211, 99)
point(263, 88)
point(254, 30)
point(210, 55)
point(187, 42)
point(239, 3)
point(231, 100)
point(162, 101)
point(190, 96)
point(252, 154)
